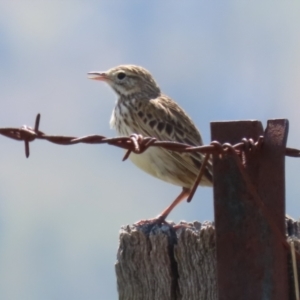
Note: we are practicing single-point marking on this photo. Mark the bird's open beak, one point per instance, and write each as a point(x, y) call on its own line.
point(97, 75)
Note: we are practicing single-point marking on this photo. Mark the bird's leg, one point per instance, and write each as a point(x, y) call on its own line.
point(182, 196)
point(162, 217)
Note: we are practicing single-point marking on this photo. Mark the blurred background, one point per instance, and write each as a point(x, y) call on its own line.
point(61, 209)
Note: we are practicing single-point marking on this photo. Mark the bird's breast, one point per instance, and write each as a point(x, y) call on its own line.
point(123, 117)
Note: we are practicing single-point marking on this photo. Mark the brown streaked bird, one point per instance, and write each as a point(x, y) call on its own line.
point(143, 109)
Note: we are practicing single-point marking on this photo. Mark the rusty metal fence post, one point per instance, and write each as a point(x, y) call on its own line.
point(251, 260)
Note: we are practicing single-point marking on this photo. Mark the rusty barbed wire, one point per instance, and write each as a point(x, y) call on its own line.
point(134, 143)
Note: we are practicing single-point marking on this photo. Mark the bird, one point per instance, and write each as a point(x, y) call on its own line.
point(141, 108)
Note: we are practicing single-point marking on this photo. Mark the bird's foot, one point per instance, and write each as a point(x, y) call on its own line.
point(155, 221)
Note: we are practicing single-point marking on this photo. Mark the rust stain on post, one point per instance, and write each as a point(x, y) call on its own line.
point(251, 261)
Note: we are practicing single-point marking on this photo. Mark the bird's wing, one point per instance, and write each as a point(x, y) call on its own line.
point(165, 120)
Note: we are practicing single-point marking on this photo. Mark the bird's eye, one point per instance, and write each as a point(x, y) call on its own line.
point(121, 75)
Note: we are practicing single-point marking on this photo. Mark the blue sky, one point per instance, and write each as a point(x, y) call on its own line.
point(61, 209)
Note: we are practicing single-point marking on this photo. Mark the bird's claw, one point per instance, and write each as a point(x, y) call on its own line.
point(155, 221)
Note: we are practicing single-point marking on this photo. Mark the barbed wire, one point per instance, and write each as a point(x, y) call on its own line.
point(134, 143)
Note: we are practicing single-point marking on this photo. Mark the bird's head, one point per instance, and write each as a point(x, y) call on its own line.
point(128, 80)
